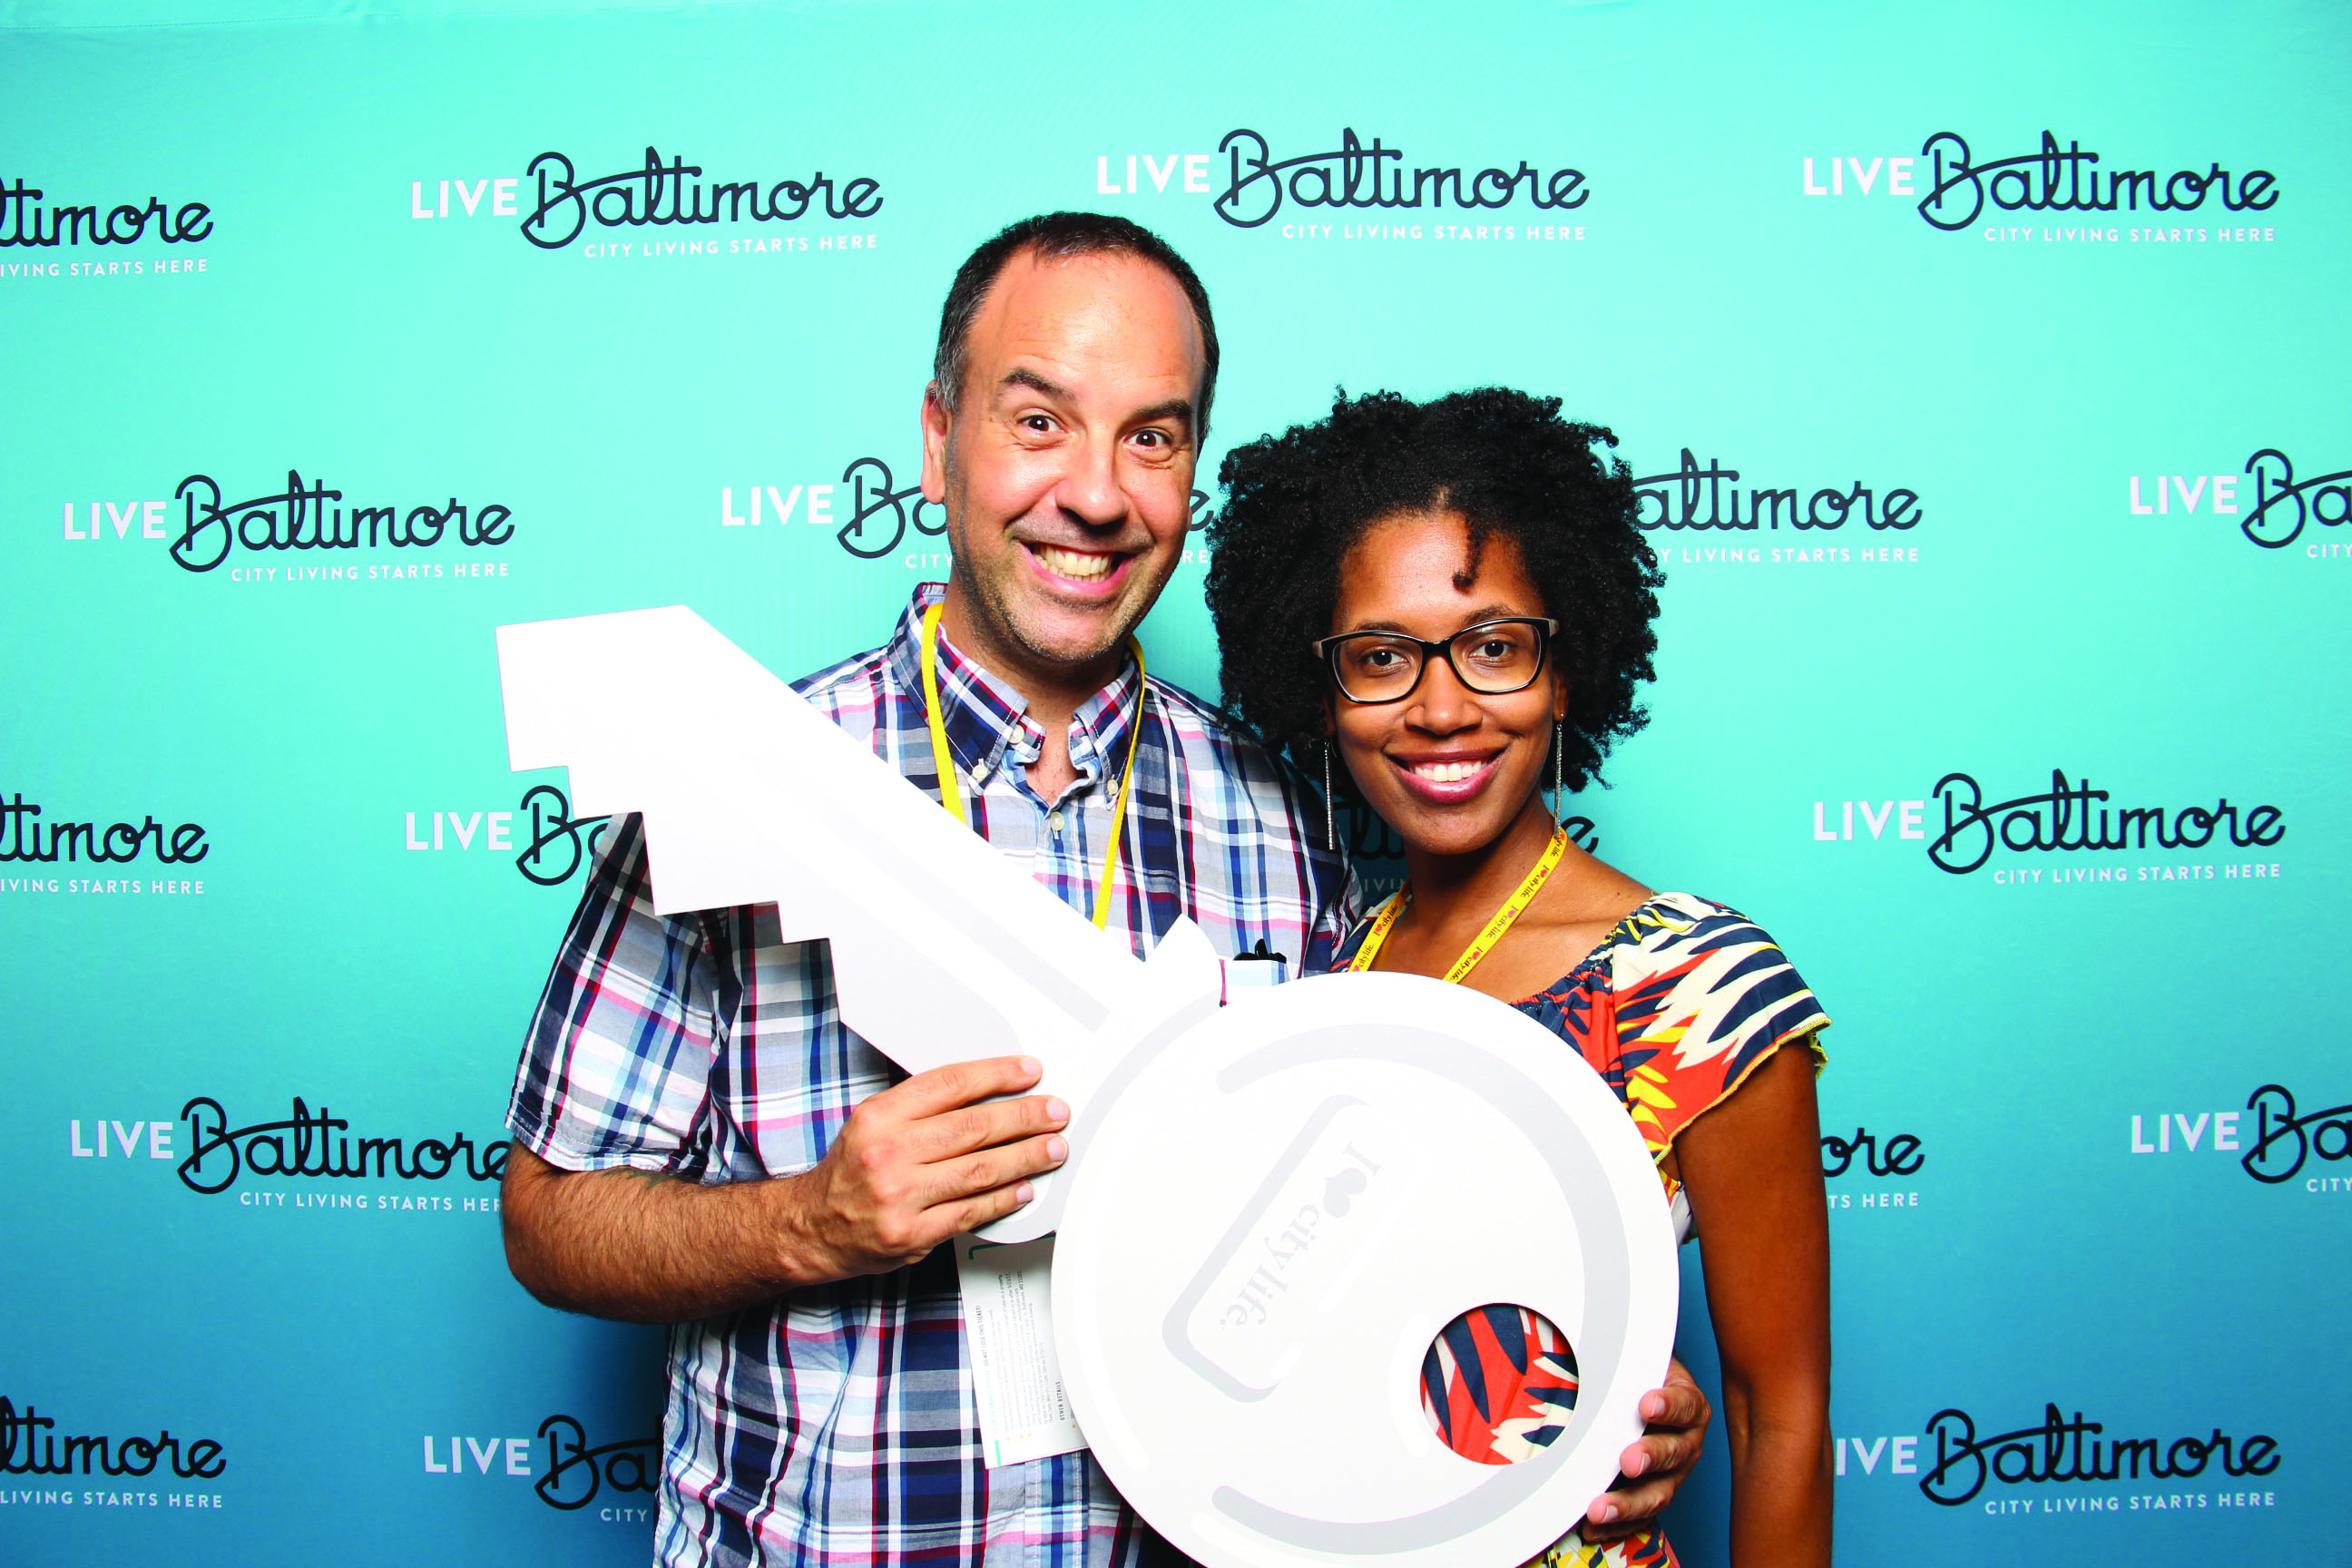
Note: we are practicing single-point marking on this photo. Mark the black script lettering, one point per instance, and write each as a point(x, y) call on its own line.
point(577, 1472)
point(300, 517)
point(27, 1447)
point(1692, 497)
point(2064, 820)
point(554, 849)
point(1900, 1158)
point(2276, 486)
point(1355, 176)
point(870, 496)
point(2052, 180)
point(305, 1144)
point(2060, 1451)
point(2283, 1140)
point(21, 838)
point(656, 193)
point(20, 221)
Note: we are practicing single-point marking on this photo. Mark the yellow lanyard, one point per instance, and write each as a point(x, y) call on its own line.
point(951, 791)
point(1483, 942)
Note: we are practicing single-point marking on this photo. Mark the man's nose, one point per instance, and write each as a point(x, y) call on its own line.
point(1089, 490)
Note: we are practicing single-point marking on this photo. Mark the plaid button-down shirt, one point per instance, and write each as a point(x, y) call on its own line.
point(837, 1424)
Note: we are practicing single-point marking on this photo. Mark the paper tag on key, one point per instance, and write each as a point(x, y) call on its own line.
point(1008, 1326)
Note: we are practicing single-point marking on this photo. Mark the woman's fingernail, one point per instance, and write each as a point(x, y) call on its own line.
point(1640, 1463)
point(1024, 1193)
point(1057, 1110)
point(1056, 1149)
point(1029, 1065)
point(1608, 1513)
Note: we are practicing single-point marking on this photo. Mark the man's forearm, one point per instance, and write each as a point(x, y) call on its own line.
point(648, 1247)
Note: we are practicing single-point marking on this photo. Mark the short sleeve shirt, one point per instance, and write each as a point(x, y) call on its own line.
point(837, 1424)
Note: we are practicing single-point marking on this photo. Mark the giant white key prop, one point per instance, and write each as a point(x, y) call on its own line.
point(1268, 1211)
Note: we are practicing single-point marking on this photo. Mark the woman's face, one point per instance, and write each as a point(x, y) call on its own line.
point(1447, 767)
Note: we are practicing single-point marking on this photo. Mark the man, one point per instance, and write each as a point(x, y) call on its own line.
point(700, 1141)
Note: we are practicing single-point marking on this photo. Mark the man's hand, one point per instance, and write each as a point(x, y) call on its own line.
point(914, 1165)
point(921, 1162)
point(1656, 1464)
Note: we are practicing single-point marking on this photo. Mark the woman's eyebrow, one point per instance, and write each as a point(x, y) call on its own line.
point(1491, 613)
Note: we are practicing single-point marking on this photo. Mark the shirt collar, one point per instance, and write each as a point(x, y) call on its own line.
point(987, 720)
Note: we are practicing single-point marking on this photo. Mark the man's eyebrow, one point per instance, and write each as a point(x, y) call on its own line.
point(1034, 382)
point(1174, 408)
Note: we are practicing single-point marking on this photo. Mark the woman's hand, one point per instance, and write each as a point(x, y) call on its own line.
point(1656, 1466)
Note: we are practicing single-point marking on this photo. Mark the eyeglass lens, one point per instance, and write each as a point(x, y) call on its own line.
point(1373, 666)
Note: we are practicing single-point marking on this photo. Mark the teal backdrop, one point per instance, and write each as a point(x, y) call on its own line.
point(1984, 365)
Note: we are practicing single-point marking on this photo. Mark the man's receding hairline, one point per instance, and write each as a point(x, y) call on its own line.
point(1037, 251)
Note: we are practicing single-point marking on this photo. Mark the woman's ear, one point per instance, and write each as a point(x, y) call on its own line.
point(1558, 697)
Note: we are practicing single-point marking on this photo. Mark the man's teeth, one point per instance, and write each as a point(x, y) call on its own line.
point(1077, 563)
point(1447, 773)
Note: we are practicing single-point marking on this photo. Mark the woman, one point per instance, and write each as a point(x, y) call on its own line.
point(1453, 601)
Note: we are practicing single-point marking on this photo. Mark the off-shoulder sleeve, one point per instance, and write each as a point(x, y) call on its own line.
point(1702, 996)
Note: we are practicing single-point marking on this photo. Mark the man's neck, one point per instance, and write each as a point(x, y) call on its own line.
point(1052, 692)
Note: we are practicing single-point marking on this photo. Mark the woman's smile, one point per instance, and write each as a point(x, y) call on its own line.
point(1447, 779)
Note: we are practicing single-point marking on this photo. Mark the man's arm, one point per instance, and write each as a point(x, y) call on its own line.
point(914, 1164)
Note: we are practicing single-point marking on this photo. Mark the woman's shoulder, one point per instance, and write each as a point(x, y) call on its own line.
point(1702, 976)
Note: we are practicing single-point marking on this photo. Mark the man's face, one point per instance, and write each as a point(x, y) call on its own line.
point(1066, 469)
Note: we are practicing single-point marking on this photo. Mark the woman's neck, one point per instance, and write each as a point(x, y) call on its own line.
point(1475, 883)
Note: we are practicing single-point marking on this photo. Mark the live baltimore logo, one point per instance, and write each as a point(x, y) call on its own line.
point(1377, 178)
point(658, 194)
point(2058, 179)
point(2071, 817)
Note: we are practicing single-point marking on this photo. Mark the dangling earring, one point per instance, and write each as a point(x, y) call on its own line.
point(1330, 827)
point(1558, 762)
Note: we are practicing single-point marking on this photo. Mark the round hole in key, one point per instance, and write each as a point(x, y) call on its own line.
point(1498, 1383)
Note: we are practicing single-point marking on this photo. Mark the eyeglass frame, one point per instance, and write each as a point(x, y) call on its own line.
point(1325, 649)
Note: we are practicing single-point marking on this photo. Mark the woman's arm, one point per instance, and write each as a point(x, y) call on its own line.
point(1752, 1169)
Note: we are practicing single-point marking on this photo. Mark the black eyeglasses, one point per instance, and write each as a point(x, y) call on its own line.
point(1494, 658)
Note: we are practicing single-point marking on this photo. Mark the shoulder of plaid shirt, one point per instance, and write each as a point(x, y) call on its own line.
point(837, 1424)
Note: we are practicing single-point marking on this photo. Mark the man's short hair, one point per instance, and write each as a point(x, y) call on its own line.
point(1057, 236)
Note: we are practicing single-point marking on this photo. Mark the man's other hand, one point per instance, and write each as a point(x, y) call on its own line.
point(1655, 1465)
point(921, 1162)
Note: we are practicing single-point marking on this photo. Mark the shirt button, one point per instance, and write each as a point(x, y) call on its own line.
point(1054, 821)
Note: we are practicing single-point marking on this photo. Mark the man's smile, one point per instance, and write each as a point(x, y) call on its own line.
point(1091, 568)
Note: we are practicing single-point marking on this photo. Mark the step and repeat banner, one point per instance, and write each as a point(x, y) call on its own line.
point(1983, 368)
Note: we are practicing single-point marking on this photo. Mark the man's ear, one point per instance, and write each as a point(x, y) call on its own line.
point(936, 423)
